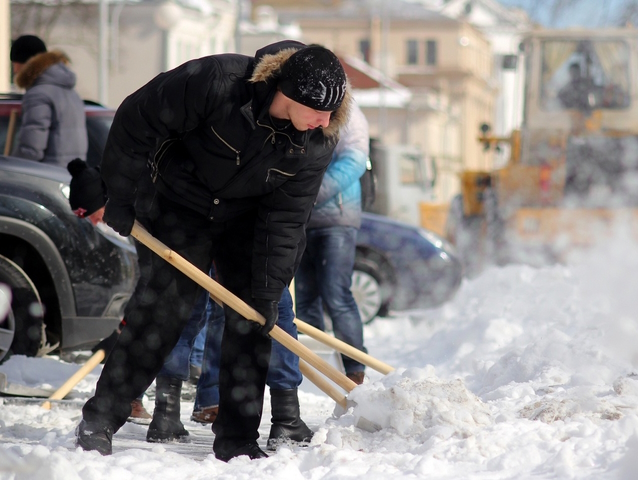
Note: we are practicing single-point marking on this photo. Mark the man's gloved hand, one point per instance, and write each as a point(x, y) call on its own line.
point(270, 310)
point(119, 217)
point(107, 344)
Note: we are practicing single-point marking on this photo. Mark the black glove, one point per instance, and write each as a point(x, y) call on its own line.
point(270, 310)
point(107, 344)
point(119, 217)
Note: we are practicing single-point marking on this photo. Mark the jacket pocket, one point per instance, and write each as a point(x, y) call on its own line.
point(159, 159)
point(276, 177)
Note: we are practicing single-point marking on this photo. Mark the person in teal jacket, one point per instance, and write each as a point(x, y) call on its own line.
point(324, 276)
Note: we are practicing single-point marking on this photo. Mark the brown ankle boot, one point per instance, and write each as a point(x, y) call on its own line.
point(205, 415)
point(356, 377)
point(139, 414)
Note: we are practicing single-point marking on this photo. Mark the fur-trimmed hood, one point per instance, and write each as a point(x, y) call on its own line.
point(37, 65)
point(268, 67)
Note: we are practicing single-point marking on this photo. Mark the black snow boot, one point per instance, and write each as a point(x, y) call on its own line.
point(233, 449)
point(287, 425)
point(166, 425)
point(94, 437)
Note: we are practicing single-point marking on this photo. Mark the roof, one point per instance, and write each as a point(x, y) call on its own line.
point(370, 87)
point(361, 9)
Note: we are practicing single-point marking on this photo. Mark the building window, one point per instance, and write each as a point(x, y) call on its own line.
point(430, 52)
point(413, 52)
point(410, 171)
point(510, 62)
point(364, 49)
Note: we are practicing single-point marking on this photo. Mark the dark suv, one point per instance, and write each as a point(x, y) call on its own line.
point(69, 280)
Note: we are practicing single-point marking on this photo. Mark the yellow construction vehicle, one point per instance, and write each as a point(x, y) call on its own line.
point(573, 169)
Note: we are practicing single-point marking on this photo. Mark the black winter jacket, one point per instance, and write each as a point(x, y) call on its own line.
point(213, 148)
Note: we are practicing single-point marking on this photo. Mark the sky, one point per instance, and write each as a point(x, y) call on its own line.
point(589, 13)
point(526, 373)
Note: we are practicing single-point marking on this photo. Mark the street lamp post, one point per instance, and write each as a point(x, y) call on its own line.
point(103, 65)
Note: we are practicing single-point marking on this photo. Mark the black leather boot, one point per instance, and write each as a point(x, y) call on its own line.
point(237, 449)
point(287, 425)
point(166, 425)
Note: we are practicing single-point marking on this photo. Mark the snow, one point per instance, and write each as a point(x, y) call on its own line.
point(526, 373)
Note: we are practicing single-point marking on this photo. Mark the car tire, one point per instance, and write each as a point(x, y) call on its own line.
point(366, 290)
point(21, 330)
point(372, 287)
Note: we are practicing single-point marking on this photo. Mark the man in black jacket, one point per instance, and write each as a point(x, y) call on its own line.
point(239, 146)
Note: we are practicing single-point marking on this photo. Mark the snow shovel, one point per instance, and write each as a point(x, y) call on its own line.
point(219, 293)
point(18, 390)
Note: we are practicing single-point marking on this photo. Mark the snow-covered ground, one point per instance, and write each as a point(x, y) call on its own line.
point(527, 373)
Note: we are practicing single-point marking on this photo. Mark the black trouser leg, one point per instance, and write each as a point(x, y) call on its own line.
point(160, 312)
point(245, 354)
point(242, 380)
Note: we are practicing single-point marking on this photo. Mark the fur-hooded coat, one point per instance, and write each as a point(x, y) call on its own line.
point(53, 126)
point(215, 150)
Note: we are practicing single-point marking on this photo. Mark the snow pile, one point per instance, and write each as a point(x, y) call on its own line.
point(415, 401)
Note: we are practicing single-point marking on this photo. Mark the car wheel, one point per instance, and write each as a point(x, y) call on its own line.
point(366, 290)
point(21, 330)
point(373, 285)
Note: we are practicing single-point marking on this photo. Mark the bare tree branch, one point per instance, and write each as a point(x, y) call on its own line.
point(39, 16)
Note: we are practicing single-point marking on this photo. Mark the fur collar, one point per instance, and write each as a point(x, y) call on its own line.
point(267, 70)
point(36, 65)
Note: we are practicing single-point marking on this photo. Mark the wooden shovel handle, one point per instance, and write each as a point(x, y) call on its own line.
point(322, 384)
point(241, 307)
point(343, 347)
point(61, 392)
point(13, 118)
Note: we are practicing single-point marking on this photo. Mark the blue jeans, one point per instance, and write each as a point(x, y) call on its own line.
point(197, 352)
point(324, 278)
point(283, 372)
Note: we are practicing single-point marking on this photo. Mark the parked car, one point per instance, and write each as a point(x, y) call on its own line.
point(400, 266)
point(71, 280)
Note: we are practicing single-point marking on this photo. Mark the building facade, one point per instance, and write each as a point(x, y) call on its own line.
point(504, 28)
point(5, 38)
point(446, 63)
point(142, 38)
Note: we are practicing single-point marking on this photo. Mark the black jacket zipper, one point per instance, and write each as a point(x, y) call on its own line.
point(237, 152)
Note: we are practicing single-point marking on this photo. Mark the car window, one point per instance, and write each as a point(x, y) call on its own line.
point(97, 127)
point(4, 127)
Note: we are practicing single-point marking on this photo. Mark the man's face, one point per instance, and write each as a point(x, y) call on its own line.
point(16, 67)
point(305, 118)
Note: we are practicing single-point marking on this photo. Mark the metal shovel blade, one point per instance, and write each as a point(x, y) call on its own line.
point(18, 390)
